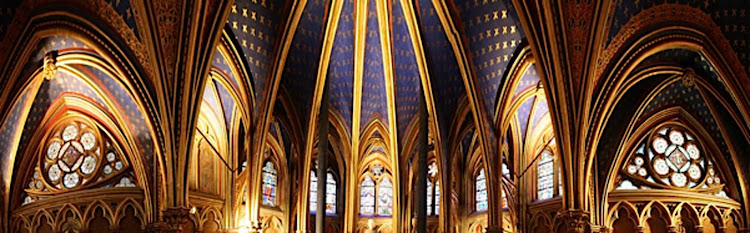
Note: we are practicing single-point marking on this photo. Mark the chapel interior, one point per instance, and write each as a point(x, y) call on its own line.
point(364, 116)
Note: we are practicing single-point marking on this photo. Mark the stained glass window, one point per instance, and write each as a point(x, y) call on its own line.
point(506, 173)
point(269, 184)
point(75, 153)
point(313, 192)
point(330, 194)
point(545, 176)
point(480, 187)
point(437, 197)
point(367, 197)
point(671, 156)
point(429, 198)
point(385, 197)
point(433, 190)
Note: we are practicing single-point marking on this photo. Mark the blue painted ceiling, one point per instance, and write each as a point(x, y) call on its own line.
point(256, 26)
point(301, 69)
point(408, 87)
point(492, 32)
point(447, 83)
point(374, 102)
point(731, 16)
point(341, 66)
point(101, 87)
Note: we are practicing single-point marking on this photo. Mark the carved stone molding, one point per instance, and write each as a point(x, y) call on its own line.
point(173, 219)
point(572, 221)
point(600, 229)
point(494, 229)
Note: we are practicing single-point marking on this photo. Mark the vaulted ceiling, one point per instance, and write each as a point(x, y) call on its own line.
point(385, 80)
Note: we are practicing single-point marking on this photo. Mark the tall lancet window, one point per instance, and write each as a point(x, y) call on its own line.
point(545, 176)
point(480, 192)
point(269, 184)
point(313, 192)
point(385, 197)
point(433, 190)
point(330, 193)
point(367, 197)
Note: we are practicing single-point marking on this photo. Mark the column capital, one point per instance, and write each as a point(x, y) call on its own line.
point(173, 218)
point(574, 221)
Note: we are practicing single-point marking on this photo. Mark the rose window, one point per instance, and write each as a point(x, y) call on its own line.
point(672, 157)
point(75, 154)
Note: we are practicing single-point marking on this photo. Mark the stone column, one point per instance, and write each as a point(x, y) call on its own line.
point(421, 186)
point(320, 212)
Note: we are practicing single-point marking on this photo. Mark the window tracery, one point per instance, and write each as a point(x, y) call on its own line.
point(376, 199)
point(671, 157)
point(77, 154)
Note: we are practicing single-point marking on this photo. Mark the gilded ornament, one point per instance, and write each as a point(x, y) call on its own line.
point(50, 66)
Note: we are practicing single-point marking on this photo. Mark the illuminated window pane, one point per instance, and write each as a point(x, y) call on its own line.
point(429, 198)
point(671, 157)
point(480, 197)
point(367, 197)
point(313, 192)
point(545, 177)
point(330, 194)
point(269, 184)
point(437, 197)
point(385, 197)
point(506, 173)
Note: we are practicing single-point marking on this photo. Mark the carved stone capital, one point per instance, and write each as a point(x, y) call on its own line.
point(173, 219)
point(573, 221)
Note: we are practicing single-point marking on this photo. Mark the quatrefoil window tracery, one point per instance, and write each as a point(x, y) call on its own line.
point(672, 157)
point(75, 154)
